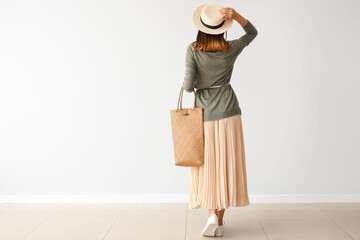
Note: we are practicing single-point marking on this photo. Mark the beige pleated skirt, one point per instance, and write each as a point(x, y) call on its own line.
point(221, 182)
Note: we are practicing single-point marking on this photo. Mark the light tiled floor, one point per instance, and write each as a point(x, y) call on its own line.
point(172, 221)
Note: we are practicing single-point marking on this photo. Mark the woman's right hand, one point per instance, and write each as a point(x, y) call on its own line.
point(228, 13)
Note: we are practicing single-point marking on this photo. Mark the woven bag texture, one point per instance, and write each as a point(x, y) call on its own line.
point(188, 134)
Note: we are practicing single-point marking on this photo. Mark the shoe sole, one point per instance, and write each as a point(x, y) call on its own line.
point(219, 235)
point(210, 230)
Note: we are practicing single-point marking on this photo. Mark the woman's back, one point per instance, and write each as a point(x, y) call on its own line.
point(208, 69)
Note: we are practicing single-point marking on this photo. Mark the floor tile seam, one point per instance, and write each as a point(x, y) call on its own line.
point(47, 218)
point(334, 221)
point(258, 220)
point(113, 223)
point(314, 204)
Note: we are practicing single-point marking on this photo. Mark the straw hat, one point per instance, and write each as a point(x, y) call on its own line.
point(208, 20)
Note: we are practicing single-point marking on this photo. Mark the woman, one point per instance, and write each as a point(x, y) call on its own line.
point(221, 182)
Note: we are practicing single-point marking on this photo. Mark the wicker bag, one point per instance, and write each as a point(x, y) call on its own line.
point(188, 134)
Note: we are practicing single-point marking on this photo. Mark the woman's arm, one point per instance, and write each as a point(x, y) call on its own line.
point(240, 19)
point(190, 70)
point(250, 31)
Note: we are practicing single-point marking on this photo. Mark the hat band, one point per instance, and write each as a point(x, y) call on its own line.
point(212, 27)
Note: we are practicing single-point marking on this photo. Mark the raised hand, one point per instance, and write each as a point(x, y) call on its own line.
point(228, 13)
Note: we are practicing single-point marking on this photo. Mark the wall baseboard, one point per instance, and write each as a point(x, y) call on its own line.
point(255, 198)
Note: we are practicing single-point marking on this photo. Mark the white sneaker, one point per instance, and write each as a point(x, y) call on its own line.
point(220, 230)
point(211, 226)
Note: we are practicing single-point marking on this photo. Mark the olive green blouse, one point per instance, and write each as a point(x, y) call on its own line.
point(204, 70)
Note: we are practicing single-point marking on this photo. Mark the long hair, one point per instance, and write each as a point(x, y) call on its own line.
point(209, 42)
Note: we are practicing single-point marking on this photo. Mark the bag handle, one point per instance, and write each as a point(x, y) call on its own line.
point(180, 99)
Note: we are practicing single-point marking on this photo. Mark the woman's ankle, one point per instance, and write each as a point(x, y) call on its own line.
point(220, 222)
point(213, 212)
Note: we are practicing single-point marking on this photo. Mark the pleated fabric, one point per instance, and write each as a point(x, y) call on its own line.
point(221, 182)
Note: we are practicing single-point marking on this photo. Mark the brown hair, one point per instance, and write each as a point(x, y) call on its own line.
point(209, 42)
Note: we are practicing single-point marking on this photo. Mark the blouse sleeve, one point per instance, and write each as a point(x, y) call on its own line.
point(190, 70)
point(250, 33)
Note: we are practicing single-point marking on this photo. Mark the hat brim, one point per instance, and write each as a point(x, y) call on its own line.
point(196, 19)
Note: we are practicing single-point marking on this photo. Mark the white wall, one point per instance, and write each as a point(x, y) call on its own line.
point(86, 88)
